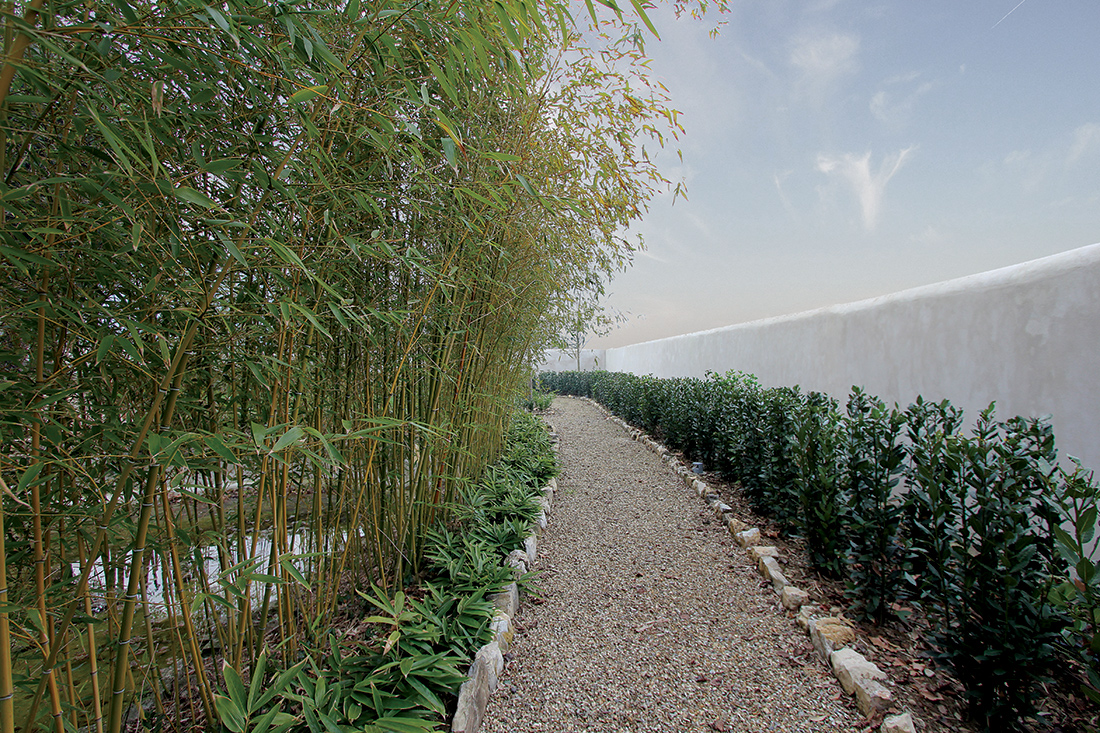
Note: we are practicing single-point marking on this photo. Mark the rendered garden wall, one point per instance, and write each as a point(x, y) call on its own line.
point(1027, 336)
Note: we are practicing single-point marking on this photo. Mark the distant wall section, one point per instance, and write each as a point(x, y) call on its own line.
point(1027, 336)
point(557, 360)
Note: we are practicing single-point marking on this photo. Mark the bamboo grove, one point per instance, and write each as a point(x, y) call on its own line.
point(273, 274)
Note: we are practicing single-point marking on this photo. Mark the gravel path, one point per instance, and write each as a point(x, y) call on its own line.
point(652, 618)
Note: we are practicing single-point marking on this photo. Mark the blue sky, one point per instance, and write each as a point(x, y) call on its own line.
point(837, 150)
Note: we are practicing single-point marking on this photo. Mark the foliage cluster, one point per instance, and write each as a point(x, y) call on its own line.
point(983, 530)
point(400, 676)
point(272, 276)
point(537, 401)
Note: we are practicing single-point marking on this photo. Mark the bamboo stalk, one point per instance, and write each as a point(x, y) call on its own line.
point(96, 721)
point(7, 687)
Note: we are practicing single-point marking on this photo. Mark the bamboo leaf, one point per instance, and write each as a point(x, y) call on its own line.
point(191, 196)
point(127, 11)
point(29, 476)
point(235, 687)
point(507, 157)
point(221, 165)
point(19, 256)
point(311, 317)
point(230, 714)
point(123, 154)
point(218, 446)
point(53, 398)
point(450, 152)
point(308, 93)
point(444, 80)
point(526, 186)
point(640, 10)
point(131, 350)
point(405, 725)
point(135, 235)
point(448, 126)
point(194, 496)
point(259, 435)
point(287, 564)
point(288, 438)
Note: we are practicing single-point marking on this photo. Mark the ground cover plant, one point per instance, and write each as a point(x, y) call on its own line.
point(399, 659)
point(983, 531)
point(273, 274)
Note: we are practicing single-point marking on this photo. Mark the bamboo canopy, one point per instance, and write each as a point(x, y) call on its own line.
point(273, 275)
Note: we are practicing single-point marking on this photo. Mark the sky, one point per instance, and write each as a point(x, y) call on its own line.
point(837, 150)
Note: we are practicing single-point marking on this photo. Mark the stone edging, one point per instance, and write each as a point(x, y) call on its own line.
point(830, 635)
point(483, 677)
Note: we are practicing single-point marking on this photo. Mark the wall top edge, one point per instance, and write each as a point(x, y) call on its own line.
point(1029, 271)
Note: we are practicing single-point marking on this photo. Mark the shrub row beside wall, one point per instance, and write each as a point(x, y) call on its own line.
point(984, 531)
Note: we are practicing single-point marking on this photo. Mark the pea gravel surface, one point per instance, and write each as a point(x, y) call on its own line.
point(650, 617)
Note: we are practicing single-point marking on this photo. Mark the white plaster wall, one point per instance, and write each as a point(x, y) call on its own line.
point(1027, 336)
point(557, 360)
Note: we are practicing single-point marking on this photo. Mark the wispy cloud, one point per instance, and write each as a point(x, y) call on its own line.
point(821, 60)
point(1086, 140)
point(893, 105)
point(868, 187)
point(1034, 169)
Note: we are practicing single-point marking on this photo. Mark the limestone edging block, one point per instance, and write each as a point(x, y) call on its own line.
point(517, 559)
point(473, 696)
point(756, 552)
point(484, 674)
point(828, 634)
point(750, 536)
point(769, 568)
point(531, 544)
point(898, 724)
point(503, 631)
point(851, 668)
point(793, 598)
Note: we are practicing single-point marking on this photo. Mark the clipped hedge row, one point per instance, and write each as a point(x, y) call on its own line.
point(983, 530)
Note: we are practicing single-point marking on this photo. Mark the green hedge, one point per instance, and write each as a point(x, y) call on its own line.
point(982, 530)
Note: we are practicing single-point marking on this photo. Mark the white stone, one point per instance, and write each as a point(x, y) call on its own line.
point(531, 544)
point(503, 633)
point(546, 502)
point(758, 551)
point(898, 724)
point(494, 659)
point(540, 522)
point(473, 696)
point(828, 634)
point(873, 697)
point(805, 615)
point(851, 668)
point(517, 559)
point(793, 598)
point(749, 537)
point(769, 568)
point(735, 525)
point(507, 601)
point(552, 484)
